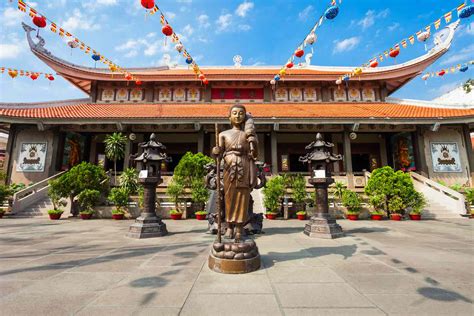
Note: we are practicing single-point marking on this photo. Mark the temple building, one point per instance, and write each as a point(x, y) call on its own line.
point(369, 128)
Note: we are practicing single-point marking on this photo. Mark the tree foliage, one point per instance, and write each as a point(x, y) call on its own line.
point(352, 201)
point(79, 178)
point(119, 196)
point(87, 199)
point(129, 180)
point(191, 167)
point(299, 189)
point(273, 193)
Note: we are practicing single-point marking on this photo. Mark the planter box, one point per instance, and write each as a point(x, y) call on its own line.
point(200, 217)
point(352, 217)
point(395, 217)
point(270, 216)
point(301, 217)
point(176, 216)
point(376, 217)
point(1, 214)
point(86, 216)
point(117, 217)
point(52, 216)
point(415, 217)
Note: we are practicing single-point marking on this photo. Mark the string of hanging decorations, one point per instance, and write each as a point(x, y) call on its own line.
point(168, 31)
point(464, 11)
point(463, 67)
point(33, 75)
point(41, 21)
point(330, 13)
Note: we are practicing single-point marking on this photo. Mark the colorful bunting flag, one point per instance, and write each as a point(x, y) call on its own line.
point(21, 6)
point(448, 16)
point(412, 39)
point(437, 23)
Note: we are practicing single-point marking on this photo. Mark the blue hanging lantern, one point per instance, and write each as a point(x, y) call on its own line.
point(276, 78)
point(331, 12)
point(463, 68)
point(96, 57)
point(346, 78)
point(466, 12)
point(189, 60)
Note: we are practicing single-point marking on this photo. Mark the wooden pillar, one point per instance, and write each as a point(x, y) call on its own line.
point(469, 151)
point(9, 152)
point(200, 142)
point(420, 156)
point(274, 145)
point(128, 149)
point(348, 159)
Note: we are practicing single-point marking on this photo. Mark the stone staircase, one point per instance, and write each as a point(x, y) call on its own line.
point(442, 202)
point(38, 209)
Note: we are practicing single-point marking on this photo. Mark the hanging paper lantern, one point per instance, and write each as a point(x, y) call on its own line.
point(441, 73)
point(72, 44)
point(96, 57)
point(202, 77)
point(34, 76)
point(189, 60)
point(283, 72)
point(311, 38)
point(425, 77)
point(289, 65)
point(179, 47)
point(339, 81)
point(423, 36)
point(394, 52)
point(128, 76)
point(276, 78)
point(357, 71)
point(13, 73)
point(138, 83)
point(39, 21)
point(346, 78)
point(205, 81)
point(148, 4)
point(466, 12)
point(51, 78)
point(299, 53)
point(463, 68)
point(273, 82)
point(167, 30)
point(374, 63)
point(331, 12)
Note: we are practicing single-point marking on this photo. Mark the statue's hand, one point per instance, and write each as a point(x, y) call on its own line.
point(216, 151)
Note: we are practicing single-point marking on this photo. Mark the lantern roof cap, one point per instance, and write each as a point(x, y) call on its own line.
point(320, 150)
point(153, 150)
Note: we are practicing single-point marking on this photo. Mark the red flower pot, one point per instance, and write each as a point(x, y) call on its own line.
point(176, 216)
point(415, 217)
point(54, 216)
point(270, 216)
point(117, 217)
point(353, 217)
point(395, 217)
point(301, 217)
point(200, 217)
point(375, 217)
point(1, 214)
point(86, 216)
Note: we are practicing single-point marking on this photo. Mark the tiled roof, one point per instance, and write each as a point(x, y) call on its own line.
point(213, 110)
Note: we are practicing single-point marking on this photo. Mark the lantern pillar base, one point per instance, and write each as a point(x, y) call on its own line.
point(148, 225)
point(322, 225)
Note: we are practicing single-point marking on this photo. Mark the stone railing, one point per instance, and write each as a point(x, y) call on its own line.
point(32, 194)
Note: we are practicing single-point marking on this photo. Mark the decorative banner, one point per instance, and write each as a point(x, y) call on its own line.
point(168, 31)
point(41, 21)
point(463, 67)
point(13, 73)
point(422, 36)
point(32, 157)
point(329, 14)
point(445, 157)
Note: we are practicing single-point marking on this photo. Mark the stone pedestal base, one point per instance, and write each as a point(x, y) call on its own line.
point(234, 257)
point(148, 225)
point(322, 225)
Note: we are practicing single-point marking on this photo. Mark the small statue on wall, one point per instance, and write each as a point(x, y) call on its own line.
point(74, 152)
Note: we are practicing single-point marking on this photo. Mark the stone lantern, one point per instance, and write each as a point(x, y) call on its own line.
point(148, 224)
point(319, 158)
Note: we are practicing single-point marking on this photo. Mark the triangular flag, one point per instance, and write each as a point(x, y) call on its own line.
point(412, 39)
point(437, 23)
point(448, 16)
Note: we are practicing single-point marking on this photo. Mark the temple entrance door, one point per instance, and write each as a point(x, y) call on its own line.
point(365, 156)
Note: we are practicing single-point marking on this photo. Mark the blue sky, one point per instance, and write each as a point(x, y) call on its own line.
point(263, 32)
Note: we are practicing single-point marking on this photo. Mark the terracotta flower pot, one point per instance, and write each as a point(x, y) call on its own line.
point(301, 217)
point(55, 216)
point(176, 216)
point(415, 217)
point(376, 217)
point(1, 214)
point(200, 217)
point(270, 216)
point(353, 217)
point(86, 216)
point(396, 217)
point(117, 217)
point(472, 216)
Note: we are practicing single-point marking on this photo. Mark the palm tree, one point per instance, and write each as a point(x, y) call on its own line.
point(115, 149)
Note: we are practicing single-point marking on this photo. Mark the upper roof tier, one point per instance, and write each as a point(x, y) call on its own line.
point(394, 76)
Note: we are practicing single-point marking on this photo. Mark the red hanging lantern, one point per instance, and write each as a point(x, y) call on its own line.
point(289, 65)
point(39, 21)
point(51, 78)
point(374, 63)
point(299, 53)
point(128, 76)
point(441, 73)
point(148, 4)
point(34, 76)
point(167, 30)
point(138, 83)
point(394, 52)
point(202, 77)
point(205, 81)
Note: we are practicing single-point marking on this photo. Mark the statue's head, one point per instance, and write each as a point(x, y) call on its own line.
point(237, 114)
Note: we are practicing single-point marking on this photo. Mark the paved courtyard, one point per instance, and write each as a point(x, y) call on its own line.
point(91, 268)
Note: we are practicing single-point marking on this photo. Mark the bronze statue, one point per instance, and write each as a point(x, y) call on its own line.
point(238, 148)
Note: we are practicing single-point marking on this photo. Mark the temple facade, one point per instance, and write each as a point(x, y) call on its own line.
point(368, 128)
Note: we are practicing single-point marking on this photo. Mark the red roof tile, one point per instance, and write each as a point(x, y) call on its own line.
point(213, 110)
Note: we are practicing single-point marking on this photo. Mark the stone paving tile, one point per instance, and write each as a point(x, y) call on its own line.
point(154, 274)
point(383, 283)
point(9, 287)
point(303, 275)
point(195, 260)
point(282, 260)
point(228, 284)
point(333, 312)
point(117, 265)
point(31, 272)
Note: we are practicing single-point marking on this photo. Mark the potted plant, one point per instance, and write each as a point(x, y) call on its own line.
point(301, 215)
point(5, 192)
point(376, 201)
point(396, 208)
point(119, 196)
point(54, 193)
point(200, 215)
point(469, 192)
point(272, 195)
point(339, 188)
point(199, 195)
point(176, 214)
point(352, 201)
point(417, 205)
point(115, 149)
point(87, 199)
point(175, 191)
point(55, 214)
point(298, 187)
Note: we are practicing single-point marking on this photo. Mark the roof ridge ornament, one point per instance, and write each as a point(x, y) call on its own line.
point(35, 46)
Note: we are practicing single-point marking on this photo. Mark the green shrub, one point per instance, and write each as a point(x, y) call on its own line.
point(288, 180)
point(273, 193)
point(377, 203)
point(54, 212)
point(396, 205)
point(456, 187)
point(87, 199)
point(115, 148)
point(191, 167)
point(418, 203)
point(54, 194)
point(119, 196)
point(200, 213)
point(117, 212)
point(470, 195)
point(16, 187)
point(5, 192)
point(173, 212)
point(199, 192)
point(301, 213)
point(129, 180)
point(339, 188)
point(81, 177)
point(175, 191)
point(299, 189)
point(352, 201)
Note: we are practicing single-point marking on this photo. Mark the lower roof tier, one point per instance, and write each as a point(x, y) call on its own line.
point(124, 112)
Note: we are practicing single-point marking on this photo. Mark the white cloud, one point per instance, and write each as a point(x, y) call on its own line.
point(346, 44)
point(463, 55)
point(78, 21)
point(466, 29)
point(244, 27)
point(394, 26)
point(10, 51)
point(304, 15)
point(244, 8)
point(148, 45)
point(223, 22)
point(371, 16)
point(170, 15)
point(203, 20)
point(184, 1)
point(96, 4)
point(188, 30)
point(11, 17)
